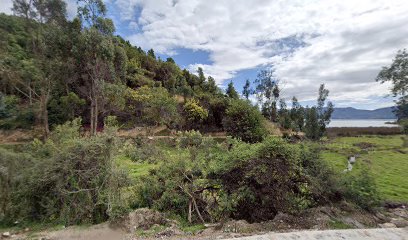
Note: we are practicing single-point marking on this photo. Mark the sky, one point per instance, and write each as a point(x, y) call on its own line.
point(341, 43)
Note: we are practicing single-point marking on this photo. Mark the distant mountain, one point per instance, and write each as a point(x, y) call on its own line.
point(352, 113)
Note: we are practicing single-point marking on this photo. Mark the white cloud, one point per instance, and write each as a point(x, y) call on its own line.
point(6, 5)
point(342, 43)
point(346, 41)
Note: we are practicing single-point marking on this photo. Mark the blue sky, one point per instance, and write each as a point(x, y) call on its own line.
point(341, 43)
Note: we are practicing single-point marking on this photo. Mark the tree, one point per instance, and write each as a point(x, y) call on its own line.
point(297, 114)
point(268, 93)
point(97, 52)
point(211, 86)
point(34, 72)
point(317, 118)
point(156, 104)
point(201, 76)
point(231, 92)
point(397, 74)
point(284, 115)
point(247, 89)
point(195, 113)
point(244, 121)
point(151, 54)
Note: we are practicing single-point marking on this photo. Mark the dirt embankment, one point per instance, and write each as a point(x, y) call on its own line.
point(149, 224)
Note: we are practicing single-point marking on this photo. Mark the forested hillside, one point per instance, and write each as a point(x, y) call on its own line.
point(83, 88)
point(54, 70)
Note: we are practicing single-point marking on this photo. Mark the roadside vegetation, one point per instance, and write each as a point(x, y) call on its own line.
point(384, 156)
point(83, 88)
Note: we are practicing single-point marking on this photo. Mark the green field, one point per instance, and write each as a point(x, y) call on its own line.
point(384, 156)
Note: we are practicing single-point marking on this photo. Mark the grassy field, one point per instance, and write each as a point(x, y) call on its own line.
point(384, 156)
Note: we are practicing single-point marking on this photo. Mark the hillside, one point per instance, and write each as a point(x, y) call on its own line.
point(353, 113)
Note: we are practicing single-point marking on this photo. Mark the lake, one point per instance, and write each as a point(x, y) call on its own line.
point(361, 123)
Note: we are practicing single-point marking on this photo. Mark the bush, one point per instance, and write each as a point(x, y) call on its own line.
point(13, 116)
point(361, 189)
point(269, 181)
point(244, 121)
point(70, 179)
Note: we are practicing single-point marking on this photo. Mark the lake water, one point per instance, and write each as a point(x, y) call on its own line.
point(361, 123)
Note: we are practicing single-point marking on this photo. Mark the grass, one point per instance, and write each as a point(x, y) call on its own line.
point(135, 169)
point(384, 155)
point(150, 232)
point(336, 224)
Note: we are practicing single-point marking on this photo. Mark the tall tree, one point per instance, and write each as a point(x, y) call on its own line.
point(247, 89)
point(231, 92)
point(97, 52)
point(35, 72)
point(268, 92)
point(397, 74)
point(317, 118)
point(201, 76)
point(297, 115)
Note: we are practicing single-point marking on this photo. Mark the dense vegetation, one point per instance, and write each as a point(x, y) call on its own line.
point(80, 83)
point(53, 70)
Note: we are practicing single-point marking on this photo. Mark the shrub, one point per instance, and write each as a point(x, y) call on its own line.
point(195, 113)
point(70, 179)
point(268, 182)
point(361, 189)
point(13, 116)
point(244, 121)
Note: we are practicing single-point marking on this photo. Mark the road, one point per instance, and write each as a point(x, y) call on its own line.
point(349, 234)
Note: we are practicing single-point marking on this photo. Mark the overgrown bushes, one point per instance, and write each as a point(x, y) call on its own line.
point(244, 121)
point(210, 182)
point(68, 179)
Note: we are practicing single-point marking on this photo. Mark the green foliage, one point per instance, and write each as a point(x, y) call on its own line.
point(361, 189)
point(297, 115)
point(257, 185)
point(268, 92)
point(235, 179)
point(195, 113)
point(13, 115)
point(244, 121)
point(70, 179)
point(65, 108)
point(317, 118)
point(231, 92)
point(247, 89)
point(385, 159)
point(404, 125)
point(157, 105)
point(397, 74)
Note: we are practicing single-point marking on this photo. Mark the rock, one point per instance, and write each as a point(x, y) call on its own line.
point(238, 226)
point(6, 234)
point(382, 217)
point(168, 232)
point(142, 218)
point(352, 222)
point(387, 225)
point(399, 222)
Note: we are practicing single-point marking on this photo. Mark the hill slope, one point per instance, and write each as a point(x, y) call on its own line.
point(353, 113)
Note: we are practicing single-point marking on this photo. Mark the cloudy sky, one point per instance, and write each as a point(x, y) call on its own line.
point(342, 43)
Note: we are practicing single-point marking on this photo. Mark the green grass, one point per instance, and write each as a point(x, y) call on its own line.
point(193, 229)
point(135, 169)
point(387, 160)
point(337, 224)
point(150, 232)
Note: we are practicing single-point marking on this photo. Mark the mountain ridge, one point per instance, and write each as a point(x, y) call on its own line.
point(354, 113)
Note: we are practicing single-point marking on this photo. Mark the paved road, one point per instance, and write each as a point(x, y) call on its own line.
point(349, 234)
